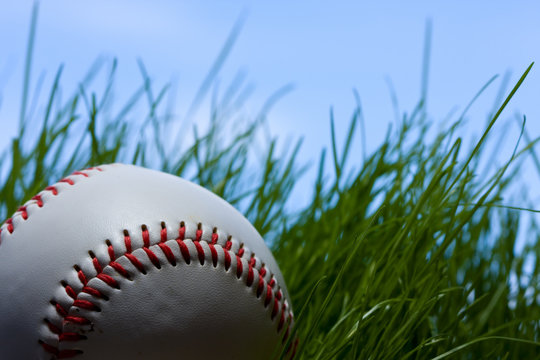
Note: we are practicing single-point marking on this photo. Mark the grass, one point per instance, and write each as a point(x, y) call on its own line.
point(404, 253)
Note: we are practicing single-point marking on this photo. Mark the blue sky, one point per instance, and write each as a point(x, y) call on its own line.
point(324, 48)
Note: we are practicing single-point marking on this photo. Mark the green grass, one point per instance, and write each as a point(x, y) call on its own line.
point(407, 252)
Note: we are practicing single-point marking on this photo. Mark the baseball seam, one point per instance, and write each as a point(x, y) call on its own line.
point(243, 264)
point(37, 200)
point(227, 253)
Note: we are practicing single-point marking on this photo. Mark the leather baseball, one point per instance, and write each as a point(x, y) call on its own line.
point(122, 262)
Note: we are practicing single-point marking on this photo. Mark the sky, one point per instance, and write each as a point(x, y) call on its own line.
point(324, 49)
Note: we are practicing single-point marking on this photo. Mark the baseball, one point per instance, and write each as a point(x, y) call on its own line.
point(122, 262)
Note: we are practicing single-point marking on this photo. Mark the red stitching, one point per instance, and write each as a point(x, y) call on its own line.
point(23, 211)
point(54, 329)
point(136, 263)
point(153, 258)
point(85, 304)
point(214, 254)
point(67, 180)
point(200, 251)
point(9, 223)
point(167, 251)
point(52, 189)
point(260, 286)
point(81, 276)
point(127, 241)
point(281, 320)
point(275, 309)
point(163, 233)
point(59, 309)
point(119, 269)
point(198, 233)
point(215, 236)
point(96, 264)
point(228, 260)
point(185, 251)
point(71, 293)
point(268, 295)
point(77, 320)
point(145, 236)
point(239, 267)
point(94, 292)
point(110, 250)
point(249, 280)
point(109, 280)
point(38, 200)
point(182, 231)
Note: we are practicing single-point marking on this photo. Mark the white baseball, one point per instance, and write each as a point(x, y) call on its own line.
point(121, 262)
